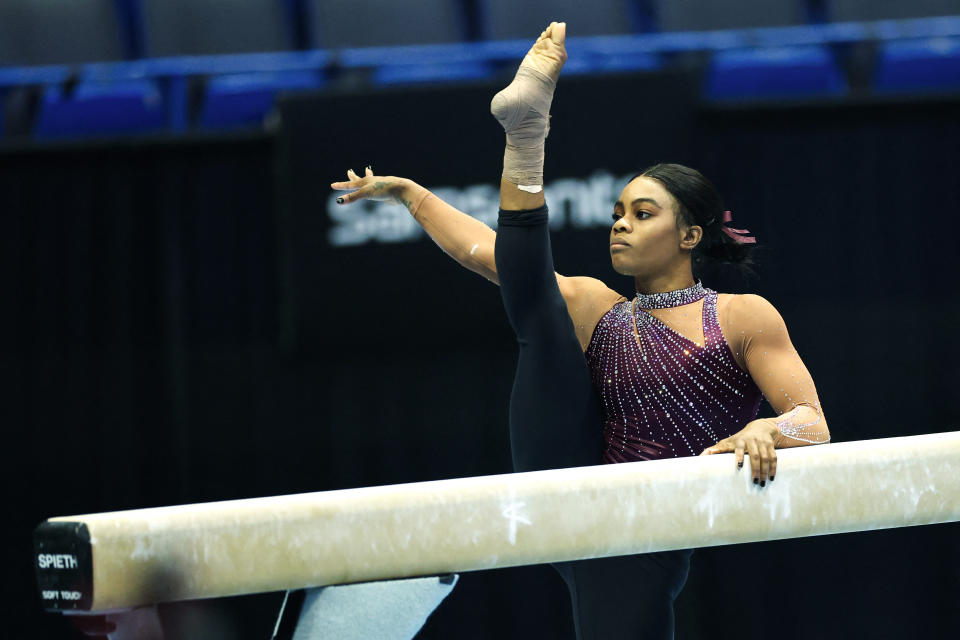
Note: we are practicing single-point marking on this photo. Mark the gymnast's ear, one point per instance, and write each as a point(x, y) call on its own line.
point(691, 237)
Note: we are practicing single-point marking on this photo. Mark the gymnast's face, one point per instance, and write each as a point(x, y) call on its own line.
point(644, 238)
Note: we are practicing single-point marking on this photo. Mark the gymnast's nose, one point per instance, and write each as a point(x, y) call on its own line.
point(620, 226)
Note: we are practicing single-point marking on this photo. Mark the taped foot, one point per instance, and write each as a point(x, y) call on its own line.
point(523, 108)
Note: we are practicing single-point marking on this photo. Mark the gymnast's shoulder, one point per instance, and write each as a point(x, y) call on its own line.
point(588, 299)
point(749, 315)
point(585, 292)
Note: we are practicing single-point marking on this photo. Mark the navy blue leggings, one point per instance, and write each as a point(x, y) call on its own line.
point(555, 423)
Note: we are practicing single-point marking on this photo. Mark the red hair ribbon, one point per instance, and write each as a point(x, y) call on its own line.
point(737, 234)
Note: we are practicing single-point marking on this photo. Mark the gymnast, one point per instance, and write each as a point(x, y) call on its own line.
point(679, 370)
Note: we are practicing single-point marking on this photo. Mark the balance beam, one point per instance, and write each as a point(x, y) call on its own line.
point(117, 560)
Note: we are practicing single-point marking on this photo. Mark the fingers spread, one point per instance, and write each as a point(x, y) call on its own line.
point(352, 175)
point(739, 450)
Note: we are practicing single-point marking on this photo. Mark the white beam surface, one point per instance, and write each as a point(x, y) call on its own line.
point(466, 524)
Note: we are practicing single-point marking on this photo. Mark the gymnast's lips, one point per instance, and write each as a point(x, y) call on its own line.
point(618, 243)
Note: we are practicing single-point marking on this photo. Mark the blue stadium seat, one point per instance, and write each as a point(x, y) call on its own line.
point(335, 24)
point(849, 10)
point(16, 80)
point(200, 27)
point(774, 73)
point(508, 19)
point(36, 32)
point(240, 91)
point(705, 15)
point(920, 65)
point(101, 107)
point(244, 99)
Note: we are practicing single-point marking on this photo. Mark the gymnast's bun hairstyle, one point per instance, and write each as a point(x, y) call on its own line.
point(701, 205)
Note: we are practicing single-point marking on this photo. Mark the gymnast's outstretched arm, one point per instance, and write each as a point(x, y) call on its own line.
point(471, 243)
point(462, 237)
point(523, 111)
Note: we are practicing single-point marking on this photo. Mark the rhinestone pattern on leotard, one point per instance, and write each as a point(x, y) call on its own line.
point(664, 395)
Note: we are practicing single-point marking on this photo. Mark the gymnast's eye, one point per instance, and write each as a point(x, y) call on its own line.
point(616, 216)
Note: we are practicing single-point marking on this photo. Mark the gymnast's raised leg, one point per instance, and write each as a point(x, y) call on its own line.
point(554, 414)
point(555, 418)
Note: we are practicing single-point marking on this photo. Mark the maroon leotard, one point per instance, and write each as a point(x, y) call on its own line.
point(664, 395)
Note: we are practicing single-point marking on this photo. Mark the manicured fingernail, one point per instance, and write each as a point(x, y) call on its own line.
point(763, 483)
point(739, 465)
point(756, 481)
point(339, 200)
point(772, 477)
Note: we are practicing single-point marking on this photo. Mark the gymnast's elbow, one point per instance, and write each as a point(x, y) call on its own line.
point(805, 425)
point(480, 260)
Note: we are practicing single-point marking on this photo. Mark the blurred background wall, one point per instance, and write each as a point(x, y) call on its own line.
point(192, 318)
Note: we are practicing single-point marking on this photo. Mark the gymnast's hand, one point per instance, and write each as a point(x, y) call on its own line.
point(371, 187)
point(756, 439)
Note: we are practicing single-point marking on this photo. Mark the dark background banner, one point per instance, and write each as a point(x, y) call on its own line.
point(195, 321)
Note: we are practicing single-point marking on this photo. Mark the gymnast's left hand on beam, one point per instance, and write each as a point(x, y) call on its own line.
point(757, 440)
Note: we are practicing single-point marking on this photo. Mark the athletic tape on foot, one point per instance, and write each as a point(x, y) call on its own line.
point(523, 110)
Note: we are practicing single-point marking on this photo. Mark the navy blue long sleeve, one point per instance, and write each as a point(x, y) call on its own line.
point(555, 416)
point(556, 422)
